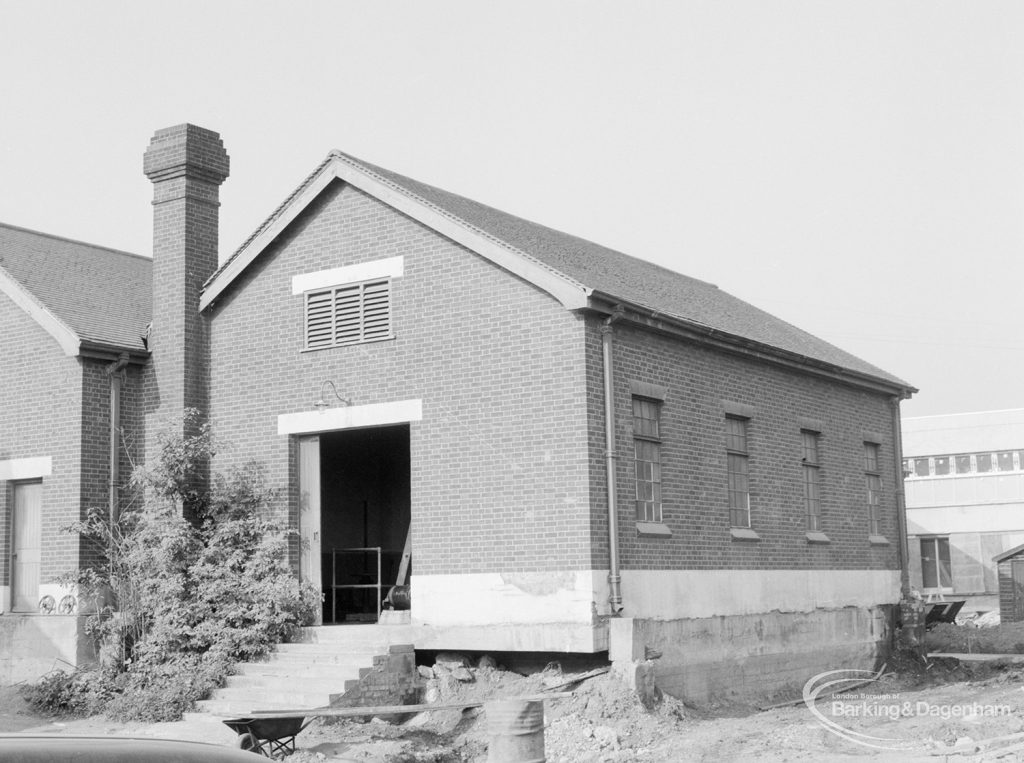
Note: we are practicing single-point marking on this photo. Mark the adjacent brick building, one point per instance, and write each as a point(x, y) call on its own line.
point(564, 438)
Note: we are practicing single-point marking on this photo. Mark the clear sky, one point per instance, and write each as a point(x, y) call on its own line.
point(856, 168)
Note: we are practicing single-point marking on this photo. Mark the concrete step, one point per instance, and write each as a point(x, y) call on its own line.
point(302, 671)
point(336, 648)
point(239, 709)
point(353, 635)
point(261, 684)
point(255, 698)
point(324, 658)
point(305, 673)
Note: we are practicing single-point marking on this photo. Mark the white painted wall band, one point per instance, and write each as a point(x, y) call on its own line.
point(350, 417)
point(392, 267)
point(26, 468)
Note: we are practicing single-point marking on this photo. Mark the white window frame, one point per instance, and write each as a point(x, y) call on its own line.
point(936, 562)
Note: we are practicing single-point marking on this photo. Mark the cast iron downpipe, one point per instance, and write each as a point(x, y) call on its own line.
point(901, 502)
point(114, 371)
point(610, 461)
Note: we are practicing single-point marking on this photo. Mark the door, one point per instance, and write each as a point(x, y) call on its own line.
point(309, 514)
point(28, 510)
point(1017, 568)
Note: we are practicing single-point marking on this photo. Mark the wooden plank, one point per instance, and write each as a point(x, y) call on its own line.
point(570, 680)
point(355, 712)
point(403, 567)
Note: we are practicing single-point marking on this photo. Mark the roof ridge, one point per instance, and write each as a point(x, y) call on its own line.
point(54, 236)
point(370, 168)
point(360, 164)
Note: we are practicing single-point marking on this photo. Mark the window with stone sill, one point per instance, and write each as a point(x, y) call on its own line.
point(812, 479)
point(873, 480)
point(737, 470)
point(647, 458)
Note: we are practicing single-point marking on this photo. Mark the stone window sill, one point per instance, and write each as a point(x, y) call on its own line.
point(878, 540)
point(743, 534)
point(653, 530)
point(817, 537)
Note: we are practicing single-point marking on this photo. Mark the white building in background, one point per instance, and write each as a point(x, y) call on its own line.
point(965, 501)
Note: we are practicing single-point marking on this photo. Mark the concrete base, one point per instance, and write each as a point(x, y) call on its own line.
point(542, 637)
point(751, 657)
point(33, 645)
point(395, 617)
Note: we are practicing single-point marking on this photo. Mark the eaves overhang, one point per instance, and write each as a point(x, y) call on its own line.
point(111, 352)
point(654, 320)
point(569, 292)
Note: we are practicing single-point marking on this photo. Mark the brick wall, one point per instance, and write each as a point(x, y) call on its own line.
point(95, 438)
point(41, 396)
point(392, 680)
point(696, 508)
point(187, 164)
point(500, 477)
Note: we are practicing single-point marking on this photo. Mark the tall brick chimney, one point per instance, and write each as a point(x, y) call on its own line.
point(186, 164)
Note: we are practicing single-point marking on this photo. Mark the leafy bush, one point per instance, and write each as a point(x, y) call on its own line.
point(190, 580)
point(163, 690)
point(1005, 638)
point(62, 693)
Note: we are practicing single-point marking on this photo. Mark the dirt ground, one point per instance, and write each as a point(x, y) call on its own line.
point(942, 709)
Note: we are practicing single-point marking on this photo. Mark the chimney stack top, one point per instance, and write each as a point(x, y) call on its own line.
point(186, 151)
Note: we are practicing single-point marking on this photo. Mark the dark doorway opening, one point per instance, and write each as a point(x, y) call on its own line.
point(365, 506)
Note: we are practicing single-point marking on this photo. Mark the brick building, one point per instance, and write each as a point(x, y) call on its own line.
point(74, 317)
point(581, 450)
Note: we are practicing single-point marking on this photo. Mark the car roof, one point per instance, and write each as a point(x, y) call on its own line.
point(57, 748)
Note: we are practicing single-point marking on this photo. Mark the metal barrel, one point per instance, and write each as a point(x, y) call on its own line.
point(515, 730)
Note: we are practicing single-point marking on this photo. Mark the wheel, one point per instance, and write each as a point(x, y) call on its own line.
point(250, 743)
point(67, 605)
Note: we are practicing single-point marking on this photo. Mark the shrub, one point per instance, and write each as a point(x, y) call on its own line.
point(81, 692)
point(161, 690)
point(189, 581)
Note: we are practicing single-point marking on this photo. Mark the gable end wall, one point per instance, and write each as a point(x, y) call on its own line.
point(499, 459)
point(41, 397)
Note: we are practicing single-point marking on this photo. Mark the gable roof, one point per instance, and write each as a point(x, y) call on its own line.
point(84, 295)
point(575, 271)
point(1007, 554)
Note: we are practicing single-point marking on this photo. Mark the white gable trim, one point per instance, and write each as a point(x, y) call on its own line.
point(569, 293)
point(350, 417)
point(26, 468)
point(54, 326)
point(392, 267)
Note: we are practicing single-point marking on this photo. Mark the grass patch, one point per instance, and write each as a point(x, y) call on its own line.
point(1005, 638)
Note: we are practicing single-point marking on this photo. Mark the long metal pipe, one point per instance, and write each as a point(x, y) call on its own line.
point(114, 371)
point(901, 502)
point(610, 461)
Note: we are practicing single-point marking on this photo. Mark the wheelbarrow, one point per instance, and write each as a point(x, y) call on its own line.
point(270, 737)
point(272, 732)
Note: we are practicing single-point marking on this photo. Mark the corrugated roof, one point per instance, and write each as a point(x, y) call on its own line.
point(103, 295)
point(610, 272)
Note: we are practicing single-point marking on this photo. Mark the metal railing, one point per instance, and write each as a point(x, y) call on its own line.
point(334, 586)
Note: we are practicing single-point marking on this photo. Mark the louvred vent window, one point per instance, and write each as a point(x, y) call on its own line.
point(349, 314)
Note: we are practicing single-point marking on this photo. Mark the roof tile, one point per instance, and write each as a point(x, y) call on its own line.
point(103, 295)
